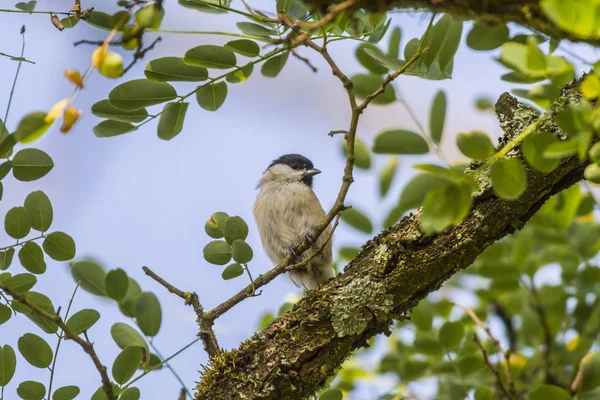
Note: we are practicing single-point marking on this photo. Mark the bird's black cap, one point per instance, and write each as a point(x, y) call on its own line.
point(298, 162)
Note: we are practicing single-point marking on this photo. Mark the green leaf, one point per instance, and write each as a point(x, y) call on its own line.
point(252, 29)
point(592, 173)
point(126, 364)
point(8, 364)
point(386, 177)
point(21, 283)
point(244, 47)
point(484, 36)
point(437, 117)
point(116, 284)
point(212, 96)
point(210, 56)
point(100, 20)
point(66, 393)
point(26, 6)
point(367, 61)
point(17, 222)
point(273, 66)
point(173, 69)
point(31, 257)
point(561, 149)
point(241, 251)
point(104, 109)
point(484, 393)
point(366, 84)
point(131, 393)
point(240, 75)
point(429, 347)
point(5, 167)
point(128, 304)
point(578, 18)
point(83, 320)
point(59, 246)
point(509, 179)
point(140, 93)
point(232, 271)
point(446, 205)
point(476, 145)
point(5, 314)
point(40, 210)
point(394, 43)
point(110, 128)
point(124, 336)
point(171, 120)
point(535, 59)
point(348, 253)
point(42, 302)
point(32, 127)
point(400, 141)
point(416, 189)
point(148, 314)
point(591, 372)
point(387, 62)
point(451, 334)
point(212, 229)
point(69, 22)
point(470, 364)
point(533, 148)
point(235, 228)
point(31, 390)
point(357, 220)
point(90, 276)
point(35, 350)
point(31, 164)
point(217, 252)
point(549, 392)
point(422, 316)
point(331, 394)
point(362, 157)
point(6, 258)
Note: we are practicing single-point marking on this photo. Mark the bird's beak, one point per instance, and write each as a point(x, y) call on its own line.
point(312, 172)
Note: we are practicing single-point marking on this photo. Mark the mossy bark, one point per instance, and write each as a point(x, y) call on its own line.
point(298, 352)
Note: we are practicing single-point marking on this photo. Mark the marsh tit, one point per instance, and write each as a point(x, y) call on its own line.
point(286, 211)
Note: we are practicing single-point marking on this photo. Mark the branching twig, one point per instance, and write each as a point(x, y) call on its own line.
point(205, 324)
point(304, 59)
point(491, 367)
point(86, 345)
point(548, 339)
point(507, 321)
point(12, 90)
point(139, 54)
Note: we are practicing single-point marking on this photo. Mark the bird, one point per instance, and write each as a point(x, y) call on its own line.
point(286, 210)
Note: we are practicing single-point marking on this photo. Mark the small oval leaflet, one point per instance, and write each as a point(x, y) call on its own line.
point(124, 336)
point(174, 69)
point(217, 252)
point(362, 157)
point(357, 220)
point(126, 364)
point(131, 393)
point(400, 141)
point(451, 334)
point(35, 350)
point(17, 222)
point(104, 109)
point(273, 66)
point(549, 392)
point(241, 251)
point(8, 363)
point(437, 116)
point(21, 283)
point(210, 56)
point(235, 228)
point(366, 84)
point(116, 284)
point(59, 246)
point(5, 314)
point(40, 210)
point(386, 176)
point(250, 28)
point(6, 258)
point(90, 276)
point(66, 393)
point(244, 47)
point(31, 390)
point(31, 164)
point(367, 60)
point(232, 271)
point(83, 320)
point(171, 120)
point(428, 346)
point(140, 93)
point(31, 257)
point(484, 36)
point(110, 128)
point(476, 145)
point(331, 394)
point(148, 314)
point(508, 178)
point(212, 96)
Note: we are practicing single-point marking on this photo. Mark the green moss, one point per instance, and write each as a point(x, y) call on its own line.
point(358, 302)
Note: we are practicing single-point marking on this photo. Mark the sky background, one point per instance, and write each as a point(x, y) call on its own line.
point(137, 200)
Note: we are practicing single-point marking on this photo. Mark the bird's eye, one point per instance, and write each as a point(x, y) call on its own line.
point(295, 166)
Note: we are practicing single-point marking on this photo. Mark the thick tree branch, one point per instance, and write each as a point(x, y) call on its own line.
point(296, 354)
point(524, 12)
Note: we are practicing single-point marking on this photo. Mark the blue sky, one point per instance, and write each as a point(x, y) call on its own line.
point(136, 200)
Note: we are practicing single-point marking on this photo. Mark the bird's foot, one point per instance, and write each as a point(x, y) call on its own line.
point(294, 252)
point(310, 239)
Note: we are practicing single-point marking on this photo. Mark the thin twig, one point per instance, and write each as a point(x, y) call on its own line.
point(507, 321)
point(205, 324)
point(140, 54)
point(491, 367)
point(86, 345)
point(548, 338)
point(304, 59)
point(12, 90)
point(170, 368)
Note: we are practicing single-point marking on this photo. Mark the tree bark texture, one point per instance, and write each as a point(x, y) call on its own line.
point(298, 352)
